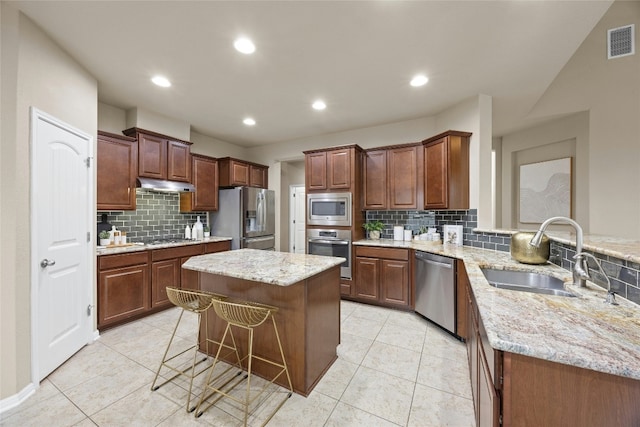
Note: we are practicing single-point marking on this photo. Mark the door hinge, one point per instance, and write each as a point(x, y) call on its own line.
point(88, 236)
point(89, 310)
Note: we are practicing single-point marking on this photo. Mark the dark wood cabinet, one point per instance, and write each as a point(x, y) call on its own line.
point(204, 172)
point(383, 276)
point(163, 273)
point(133, 285)
point(117, 170)
point(332, 169)
point(161, 156)
point(446, 171)
point(123, 287)
point(391, 178)
point(234, 172)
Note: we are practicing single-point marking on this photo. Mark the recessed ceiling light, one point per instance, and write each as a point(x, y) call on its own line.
point(244, 45)
point(249, 121)
point(161, 81)
point(319, 105)
point(419, 80)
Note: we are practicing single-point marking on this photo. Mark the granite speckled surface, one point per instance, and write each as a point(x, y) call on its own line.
point(270, 267)
point(142, 247)
point(585, 331)
point(618, 247)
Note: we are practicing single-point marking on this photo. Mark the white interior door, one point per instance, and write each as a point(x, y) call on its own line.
point(297, 215)
point(61, 209)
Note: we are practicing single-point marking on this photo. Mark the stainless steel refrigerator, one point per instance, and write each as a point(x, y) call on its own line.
point(247, 215)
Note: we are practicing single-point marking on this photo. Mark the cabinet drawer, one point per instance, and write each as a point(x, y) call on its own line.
point(106, 262)
point(213, 247)
point(386, 253)
point(177, 252)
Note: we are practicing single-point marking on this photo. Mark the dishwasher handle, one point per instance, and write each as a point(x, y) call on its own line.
point(425, 258)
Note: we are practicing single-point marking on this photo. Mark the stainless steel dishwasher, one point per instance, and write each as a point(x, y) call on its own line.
point(435, 281)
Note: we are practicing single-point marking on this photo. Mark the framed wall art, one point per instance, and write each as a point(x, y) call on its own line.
point(545, 190)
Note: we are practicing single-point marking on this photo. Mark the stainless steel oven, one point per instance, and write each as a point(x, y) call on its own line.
point(329, 209)
point(331, 243)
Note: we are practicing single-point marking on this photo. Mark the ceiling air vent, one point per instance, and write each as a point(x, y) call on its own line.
point(621, 41)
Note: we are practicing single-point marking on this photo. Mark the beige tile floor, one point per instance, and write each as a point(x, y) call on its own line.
point(393, 369)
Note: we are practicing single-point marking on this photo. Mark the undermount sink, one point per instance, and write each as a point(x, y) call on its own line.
point(525, 281)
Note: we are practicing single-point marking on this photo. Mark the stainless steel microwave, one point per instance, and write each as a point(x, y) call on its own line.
point(329, 209)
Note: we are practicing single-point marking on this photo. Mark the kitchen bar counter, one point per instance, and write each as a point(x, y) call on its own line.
point(269, 267)
point(136, 247)
point(584, 332)
point(306, 290)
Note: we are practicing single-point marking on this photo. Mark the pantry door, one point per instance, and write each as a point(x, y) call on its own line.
point(61, 250)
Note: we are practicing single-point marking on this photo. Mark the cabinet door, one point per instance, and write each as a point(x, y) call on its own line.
point(436, 183)
point(375, 180)
point(239, 173)
point(402, 168)
point(339, 169)
point(258, 176)
point(117, 169)
point(163, 274)
point(367, 278)
point(316, 171)
point(462, 300)
point(122, 293)
point(394, 282)
point(152, 156)
point(488, 401)
point(178, 161)
point(205, 178)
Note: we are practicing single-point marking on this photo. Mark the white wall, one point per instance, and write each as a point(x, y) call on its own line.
point(35, 72)
point(150, 120)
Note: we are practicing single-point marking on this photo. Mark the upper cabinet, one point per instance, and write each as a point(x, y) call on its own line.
point(204, 172)
point(234, 172)
point(446, 171)
point(162, 157)
point(117, 169)
point(331, 169)
point(391, 177)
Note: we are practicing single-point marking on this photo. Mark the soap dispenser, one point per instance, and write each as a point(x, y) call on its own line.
point(198, 231)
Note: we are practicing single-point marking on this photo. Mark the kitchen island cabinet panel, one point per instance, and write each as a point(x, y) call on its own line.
point(308, 315)
point(117, 170)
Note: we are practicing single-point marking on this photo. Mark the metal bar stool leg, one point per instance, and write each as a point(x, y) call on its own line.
point(248, 316)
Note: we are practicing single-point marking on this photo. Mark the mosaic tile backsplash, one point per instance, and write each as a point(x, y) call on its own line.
point(156, 215)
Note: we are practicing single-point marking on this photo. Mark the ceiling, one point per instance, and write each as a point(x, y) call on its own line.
point(356, 55)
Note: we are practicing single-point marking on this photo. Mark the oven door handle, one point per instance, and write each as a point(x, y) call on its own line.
point(329, 242)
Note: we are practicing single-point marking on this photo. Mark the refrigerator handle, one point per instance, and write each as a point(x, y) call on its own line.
point(260, 211)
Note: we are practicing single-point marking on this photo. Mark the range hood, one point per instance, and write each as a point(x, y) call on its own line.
point(165, 186)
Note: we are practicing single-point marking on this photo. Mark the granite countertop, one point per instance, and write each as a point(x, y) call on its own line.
point(275, 268)
point(137, 247)
point(584, 331)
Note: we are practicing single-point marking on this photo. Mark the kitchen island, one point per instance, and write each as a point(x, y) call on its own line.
point(305, 288)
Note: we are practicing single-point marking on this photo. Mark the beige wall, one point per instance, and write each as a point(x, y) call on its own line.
point(35, 72)
point(608, 153)
point(567, 137)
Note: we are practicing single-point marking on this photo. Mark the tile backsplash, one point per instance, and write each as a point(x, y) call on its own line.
point(156, 215)
point(413, 220)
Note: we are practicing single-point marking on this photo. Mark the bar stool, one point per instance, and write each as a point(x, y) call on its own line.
point(196, 302)
point(246, 315)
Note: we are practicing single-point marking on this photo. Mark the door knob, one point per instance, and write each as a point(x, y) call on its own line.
point(46, 263)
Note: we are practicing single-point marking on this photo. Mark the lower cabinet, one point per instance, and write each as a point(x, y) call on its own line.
point(512, 389)
point(133, 285)
point(123, 287)
point(383, 276)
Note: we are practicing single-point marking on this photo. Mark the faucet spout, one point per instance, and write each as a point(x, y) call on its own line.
point(580, 269)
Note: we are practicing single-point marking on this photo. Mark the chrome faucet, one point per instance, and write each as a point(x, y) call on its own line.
point(580, 267)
